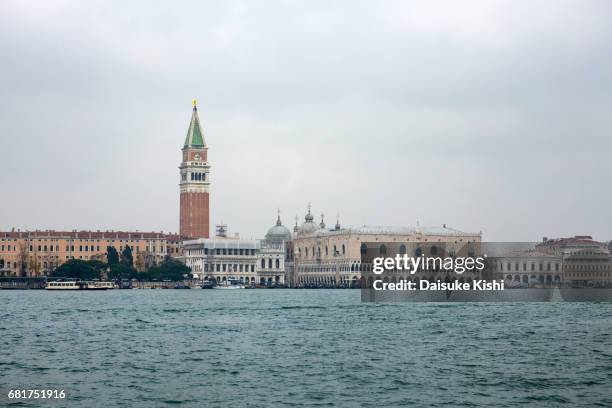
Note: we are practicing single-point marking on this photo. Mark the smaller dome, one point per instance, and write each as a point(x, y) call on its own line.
point(278, 233)
point(308, 227)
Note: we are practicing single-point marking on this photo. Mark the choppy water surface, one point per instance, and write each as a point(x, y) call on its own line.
point(263, 348)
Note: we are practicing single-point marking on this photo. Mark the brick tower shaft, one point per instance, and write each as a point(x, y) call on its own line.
point(195, 183)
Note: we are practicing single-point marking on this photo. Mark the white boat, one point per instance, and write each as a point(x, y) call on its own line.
point(230, 283)
point(80, 285)
point(68, 285)
point(95, 285)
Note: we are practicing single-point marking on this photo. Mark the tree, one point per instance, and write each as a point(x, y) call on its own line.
point(112, 256)
point(22, 260)
point(79, 269)
point(121, 271)
point(34, 265)
point(139, 263)
point(126, 256)
point(169, 269)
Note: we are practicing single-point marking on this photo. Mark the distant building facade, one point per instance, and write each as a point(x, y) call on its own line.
point(37, 253)
point(194, 183)
point(586, 262)
point(528, 268)
point(244, 259)
point(576, 261)
point(332, 257)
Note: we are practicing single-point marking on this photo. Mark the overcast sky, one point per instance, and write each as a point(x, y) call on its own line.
point(492, 116)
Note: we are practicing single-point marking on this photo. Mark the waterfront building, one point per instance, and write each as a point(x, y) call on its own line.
point(332, 257)
point(37, 253)
point(194, 182)
point(274, 253)
point(220, 257)
point(260, 262)
point(586, 262)
point(575, 261)
point(528, 268)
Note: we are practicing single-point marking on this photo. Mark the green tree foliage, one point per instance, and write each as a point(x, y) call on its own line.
point(121, 271)
point(126, 256)
point(170, 269)
point(112, 256)
point(79, 269)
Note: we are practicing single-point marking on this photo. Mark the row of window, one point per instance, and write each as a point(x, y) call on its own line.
point(382, 250)
point(229, 268)
point(87, 240)
point(335, 249)
point(198, 176)
point(224, 267)
point(263, 264)
point(533, 265)
point(222, 251)
point(69, 248)
point(580, 267)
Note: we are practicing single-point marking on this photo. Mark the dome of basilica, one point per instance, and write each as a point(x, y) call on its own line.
point(308, 226)
point(278, 232)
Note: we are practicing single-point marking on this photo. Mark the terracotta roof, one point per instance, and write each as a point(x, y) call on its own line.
point(88, 234)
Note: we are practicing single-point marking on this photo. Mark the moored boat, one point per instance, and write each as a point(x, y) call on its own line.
point(96, 285)
point(208, 284)
point(79, 285)
point(230, 283)
point(64, 285)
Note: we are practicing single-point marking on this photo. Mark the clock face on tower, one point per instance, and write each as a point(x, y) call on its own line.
point(197, 156)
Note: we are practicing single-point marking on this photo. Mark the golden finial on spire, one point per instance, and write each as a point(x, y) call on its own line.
point(195, 103)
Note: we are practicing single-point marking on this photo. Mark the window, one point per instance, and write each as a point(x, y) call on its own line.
point(364, 248)
point(402, 249)
point(263, 264)
point(382, 250)
point(277, 264)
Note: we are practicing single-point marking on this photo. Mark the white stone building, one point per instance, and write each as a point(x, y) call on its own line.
point(254, 262)
point(332, 257)
point(219, 258)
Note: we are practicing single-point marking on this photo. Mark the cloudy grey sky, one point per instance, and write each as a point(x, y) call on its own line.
point(484, 115)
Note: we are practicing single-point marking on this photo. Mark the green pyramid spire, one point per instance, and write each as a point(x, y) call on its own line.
point(195, 136)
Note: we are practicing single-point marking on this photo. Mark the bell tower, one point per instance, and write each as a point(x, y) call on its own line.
point(195, 182)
